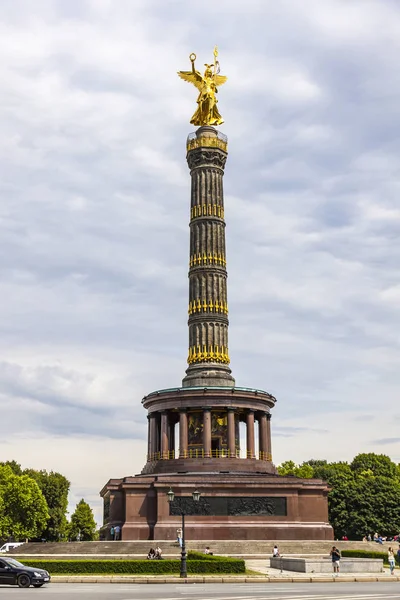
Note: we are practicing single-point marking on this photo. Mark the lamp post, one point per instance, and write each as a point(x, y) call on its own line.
point(171, 497)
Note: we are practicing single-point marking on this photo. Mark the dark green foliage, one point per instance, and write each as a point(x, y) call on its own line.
point(376, 464)
point(364, 496)
point(14, 466)
point(82, 525)
point(23, 508)
point(55, 488)
point(138, 567)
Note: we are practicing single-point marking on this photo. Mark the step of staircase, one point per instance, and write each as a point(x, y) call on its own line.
point(229, 548)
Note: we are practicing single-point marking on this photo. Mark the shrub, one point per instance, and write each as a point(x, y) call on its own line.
point(138, 567)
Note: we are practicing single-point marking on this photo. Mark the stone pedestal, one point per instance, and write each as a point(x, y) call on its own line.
point(232, 507)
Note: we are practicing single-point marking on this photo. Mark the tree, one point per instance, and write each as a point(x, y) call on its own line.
point(82, 525)
point(23, 508)
point(15, 467)
point(55, 488)
point(289, 468)
point(364, 495)
point(379, 464)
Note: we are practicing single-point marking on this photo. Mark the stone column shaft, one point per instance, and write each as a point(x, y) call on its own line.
point(231, 434)
point(269, 439)
point(208, 357)
point(263, 444)
point(164, 435)
point(250, 434)
point(207, 432)
point(148, 438)
point(183, 434)
point(153, 435)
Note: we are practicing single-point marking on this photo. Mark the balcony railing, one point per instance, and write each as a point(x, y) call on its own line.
point(199, 453)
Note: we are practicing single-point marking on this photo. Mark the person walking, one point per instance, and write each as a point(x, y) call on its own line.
point(335, 556)
point(391, 559)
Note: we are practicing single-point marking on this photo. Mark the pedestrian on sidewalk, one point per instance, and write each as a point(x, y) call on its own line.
point(335, 556)
point(391, 560)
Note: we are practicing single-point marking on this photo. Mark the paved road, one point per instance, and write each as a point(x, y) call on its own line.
point(227, 591)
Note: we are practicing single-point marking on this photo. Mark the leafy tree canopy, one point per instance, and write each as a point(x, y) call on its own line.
point(82, 525)
point(364, 496)
point(23, 508)
point(55, 488)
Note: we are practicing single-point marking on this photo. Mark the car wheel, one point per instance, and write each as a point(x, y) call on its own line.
point(24, 581)
point(37, 584)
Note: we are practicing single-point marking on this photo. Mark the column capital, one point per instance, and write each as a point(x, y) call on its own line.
point(230, 408)
point(268, 416)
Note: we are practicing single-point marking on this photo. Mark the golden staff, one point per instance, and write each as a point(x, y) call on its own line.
point(215, 63)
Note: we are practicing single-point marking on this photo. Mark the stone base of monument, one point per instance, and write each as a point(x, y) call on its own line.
point(233, 506)
point(324, 565)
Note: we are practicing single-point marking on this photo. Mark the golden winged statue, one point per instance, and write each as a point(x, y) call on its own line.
point(207, 112)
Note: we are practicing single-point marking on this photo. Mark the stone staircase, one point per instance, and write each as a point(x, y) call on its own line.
point(245, 548)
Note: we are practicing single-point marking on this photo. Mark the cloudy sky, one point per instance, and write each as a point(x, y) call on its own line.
point(94, 222)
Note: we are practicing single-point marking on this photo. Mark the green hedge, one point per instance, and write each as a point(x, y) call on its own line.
point(137, 567)
point(194, 555)
point(368, 554)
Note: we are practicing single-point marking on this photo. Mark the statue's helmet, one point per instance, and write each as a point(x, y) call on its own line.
point(208, 72)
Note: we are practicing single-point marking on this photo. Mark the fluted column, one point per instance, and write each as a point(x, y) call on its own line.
point(207, 432)
point(208, 356)
point(183, 434)
point(263, 436)
point(250, 434)
point(231, 433)
point(164, 435)
point(269, 440)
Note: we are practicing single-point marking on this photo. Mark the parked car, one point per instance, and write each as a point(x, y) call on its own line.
point(13, 572)
point(10, 546)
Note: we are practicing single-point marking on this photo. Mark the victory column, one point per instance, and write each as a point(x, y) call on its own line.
point(242, 497)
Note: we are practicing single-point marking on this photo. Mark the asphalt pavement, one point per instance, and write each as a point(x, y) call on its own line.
point(191, 591)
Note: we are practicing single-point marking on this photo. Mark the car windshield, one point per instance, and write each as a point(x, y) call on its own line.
point(13, 562)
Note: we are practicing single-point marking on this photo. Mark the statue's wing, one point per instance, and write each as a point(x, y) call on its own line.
point(220, 79)
point(191, 77)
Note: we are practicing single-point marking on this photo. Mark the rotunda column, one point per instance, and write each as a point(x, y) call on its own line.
point(164, 435)
point(250, 434)
point(269, 440)
point(207, 432)
point(263, 436)
point(183, 434)
point(231, 433)
point(153, 436)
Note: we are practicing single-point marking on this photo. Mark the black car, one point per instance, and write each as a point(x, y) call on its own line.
point(13, 572)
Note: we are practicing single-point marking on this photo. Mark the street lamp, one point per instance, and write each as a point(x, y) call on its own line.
point(171, 497)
